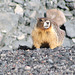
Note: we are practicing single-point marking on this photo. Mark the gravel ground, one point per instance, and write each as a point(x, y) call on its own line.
point(60, 61)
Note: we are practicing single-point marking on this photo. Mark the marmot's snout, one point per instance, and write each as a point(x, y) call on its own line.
point(46, 24)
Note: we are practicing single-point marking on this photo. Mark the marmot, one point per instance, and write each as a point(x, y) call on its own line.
point(47, 32)
point(56, 15)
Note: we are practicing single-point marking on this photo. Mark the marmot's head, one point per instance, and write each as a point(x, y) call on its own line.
point(43, 23)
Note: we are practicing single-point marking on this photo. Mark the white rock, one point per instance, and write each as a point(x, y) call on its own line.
point(21, 37)
point(3, 55)
point(18, 10)
point(4, 31)
point(27, 67)
point(10, 46)
point(73, 40)
point(33, 14)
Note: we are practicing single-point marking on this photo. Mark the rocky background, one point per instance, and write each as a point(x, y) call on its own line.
point(18, 17)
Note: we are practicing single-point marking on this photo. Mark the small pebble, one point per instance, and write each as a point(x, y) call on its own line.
point(27, 67)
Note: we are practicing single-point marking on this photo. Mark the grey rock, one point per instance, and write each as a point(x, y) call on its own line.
point(73, 12)
point(73, 66)
point(33, 8)
point(27, 29)
point(21, 20)
point(62, 7)
point(7, 40)
point(5, 48)
point(40, 13)
point(16, 44)
point(68, 14)
point(27, 13)
point(13, 5)
point(29, 39)
point(35, 0)
point(19, 1)
point(70, 28)
point(22, 43)
point(1, 40)
point(1, 37)
point(1, 1)
point(33, 15)
point(34, 4)
point(61, 4)
point(33, 23)
point(8, 21)
point(1, 72)
point(4, 6)
point(50, 61)
point(70, 4)
point(51, 4)
point(69, 0)
point(67, 42)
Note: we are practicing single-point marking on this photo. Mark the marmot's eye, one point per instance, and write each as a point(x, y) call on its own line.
point(40, 20)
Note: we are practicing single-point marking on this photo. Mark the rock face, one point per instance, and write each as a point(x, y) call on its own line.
point(70, 28)
point(70, 4)
point(8, 21)
point(18, 18)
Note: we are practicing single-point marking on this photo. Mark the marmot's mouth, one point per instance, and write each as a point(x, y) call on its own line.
point(46, 24)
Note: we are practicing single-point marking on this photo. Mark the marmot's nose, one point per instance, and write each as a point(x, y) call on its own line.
point(47, 22)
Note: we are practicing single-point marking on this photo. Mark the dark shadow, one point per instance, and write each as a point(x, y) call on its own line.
point(25, 48)
point(63, 27)
point(45, 45)
point(61, 8)
point(45, 15)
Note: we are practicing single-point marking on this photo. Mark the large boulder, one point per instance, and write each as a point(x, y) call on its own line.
point(8, 21)
point(70, 28)
point(70, 4)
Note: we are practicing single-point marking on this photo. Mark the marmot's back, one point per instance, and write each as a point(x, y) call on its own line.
point(56, 15)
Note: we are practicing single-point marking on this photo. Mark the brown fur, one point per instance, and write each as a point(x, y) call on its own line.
point(54, 36)
point(56, 15)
